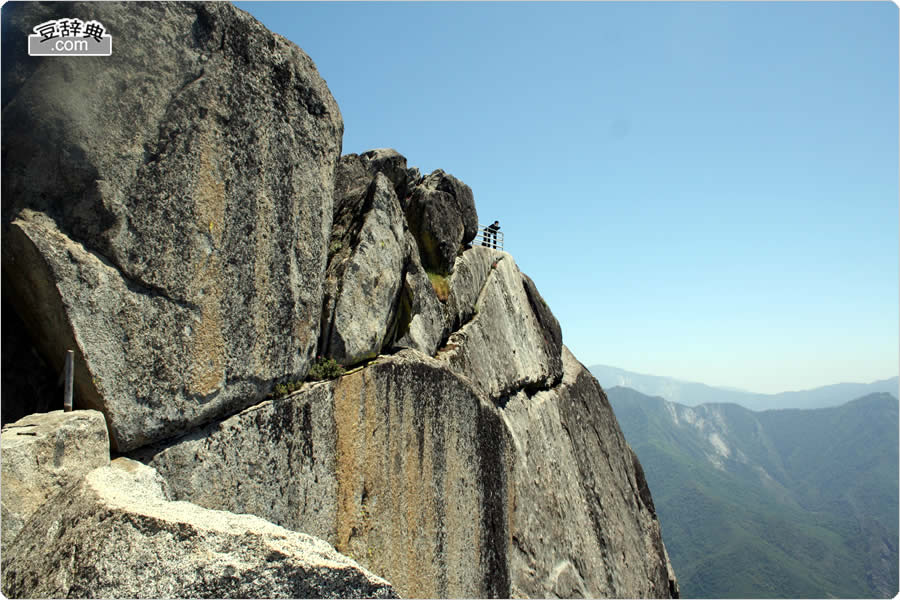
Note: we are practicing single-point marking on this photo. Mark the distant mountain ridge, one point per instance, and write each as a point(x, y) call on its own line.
point(778, 503)
point(692, 393)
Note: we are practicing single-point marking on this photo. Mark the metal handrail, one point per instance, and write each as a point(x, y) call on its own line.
point(485, 238)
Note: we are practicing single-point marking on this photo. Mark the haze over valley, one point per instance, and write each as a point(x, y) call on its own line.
point(691, 393)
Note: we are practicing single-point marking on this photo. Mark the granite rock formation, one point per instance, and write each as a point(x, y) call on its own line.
point(510, 340)
point(441, 214)
point(402, 465)
point(116, 534)
point(44, 453)
point(547, 498)
point(207, 251)
point(377, 293)
point(182, 188)
point(568, 510)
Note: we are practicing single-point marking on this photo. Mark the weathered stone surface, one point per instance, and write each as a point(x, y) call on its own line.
point(505, 346)
point(370, 282)
point(355, 171)
point(423, 467)
point(464, 199)
point(405, 469)
point(583, 524)
point(439, 491)
point(413, 178)
point(354, 174)
point(441, 214)
point(275, 460)
point(470, 272)
point(391, 164)
point(547, 323)
point(421, 322)
point(200, 202)
point(377, 294)
point(117, 535)
point(42, 454)
point(134, 328)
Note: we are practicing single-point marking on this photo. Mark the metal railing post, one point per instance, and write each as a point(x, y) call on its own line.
point(67, 394)
point(491, 239)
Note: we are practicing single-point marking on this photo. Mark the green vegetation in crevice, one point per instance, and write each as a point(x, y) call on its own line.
point(428, 250)
point(283, 389)
point(325, 368)
point(441, 285)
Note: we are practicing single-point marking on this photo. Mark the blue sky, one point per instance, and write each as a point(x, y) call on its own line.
point(707, 191)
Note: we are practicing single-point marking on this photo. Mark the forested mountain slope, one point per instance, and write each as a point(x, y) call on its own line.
point(780, 503)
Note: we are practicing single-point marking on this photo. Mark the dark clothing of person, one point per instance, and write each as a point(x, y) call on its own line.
point(491, 231)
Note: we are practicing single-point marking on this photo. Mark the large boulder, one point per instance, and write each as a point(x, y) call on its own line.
point(42, 454)
point(507, 339)
point(360, 309)
point(442, 217)
point(377, 293)
point(193, 213)
point(116, 534)
point(392, 165)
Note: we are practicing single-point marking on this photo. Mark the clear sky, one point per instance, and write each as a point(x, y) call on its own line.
point(707, 191)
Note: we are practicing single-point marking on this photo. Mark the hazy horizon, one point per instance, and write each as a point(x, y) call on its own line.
point(735, 389)
point(705, 190)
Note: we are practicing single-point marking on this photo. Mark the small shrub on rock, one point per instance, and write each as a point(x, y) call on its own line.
point(325, 368)
point(283, 389)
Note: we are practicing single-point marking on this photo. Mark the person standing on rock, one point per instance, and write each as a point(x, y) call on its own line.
point(491, 234)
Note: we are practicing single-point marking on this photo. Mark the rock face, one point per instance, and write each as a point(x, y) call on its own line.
point(117, 535)
point(42, 454)
point(220, 128)
point(207, 248)
point(440, 490)
point(571, 506)
point(441, 215)
point(547, 498)
point(275, 460)
point(377, 293)
point(405, 469)
point(363, 294)
point(503, 322)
